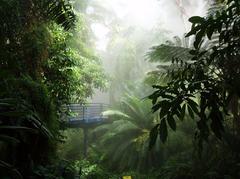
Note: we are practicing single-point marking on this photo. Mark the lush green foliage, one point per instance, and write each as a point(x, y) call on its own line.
point(26, 108)
point(46, 63)
point(210, 76)
point(164, 55)
point(72, 72)
point(206, 87)
point(126, 140)
point(41, 69)
point(124, 144)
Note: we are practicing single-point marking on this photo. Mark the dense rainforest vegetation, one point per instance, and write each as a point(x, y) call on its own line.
point(173, 102)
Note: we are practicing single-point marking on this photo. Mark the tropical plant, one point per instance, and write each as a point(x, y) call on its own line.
point(217, 160)
point(211, 77)
point(28, 121)
point(126, 139)
point(204, 89)
point(163, 55)
point(21, 123)
point(124, 144)
point(63, 169)
point(72, 73)
point(72, 147)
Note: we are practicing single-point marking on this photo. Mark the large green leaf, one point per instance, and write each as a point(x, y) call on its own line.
point(115, 113)
point(171, 122)
point(196, 19)
point(165, 53)
point(60, 11)
point(153, 136)
point(13, 171)
point(19, 128)
point(9, 139)
point(163, 131)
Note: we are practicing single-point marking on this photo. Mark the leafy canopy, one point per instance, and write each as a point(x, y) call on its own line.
point(209, 84)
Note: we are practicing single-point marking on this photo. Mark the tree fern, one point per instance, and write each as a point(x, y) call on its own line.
point(125, 141)
point(165, 56)
point(165, 53)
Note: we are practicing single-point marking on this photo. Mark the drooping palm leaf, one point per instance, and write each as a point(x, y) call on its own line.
point(166, 53)
point(14, 172)
point(115, 113)
point(125, 141)
point(60, 11)
point(16, 14)
point(18, 128)
point(9, 139)
point(169, 57)
point(8, 110)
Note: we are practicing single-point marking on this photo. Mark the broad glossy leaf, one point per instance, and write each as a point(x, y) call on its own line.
point(153, 136)
point(190, 112)
point(210, 31)
point(164, 108)
point(199, 38)
point(171, 122)
point(196, 19)
point(163, 130)
point(183, 111)
point(193, 104)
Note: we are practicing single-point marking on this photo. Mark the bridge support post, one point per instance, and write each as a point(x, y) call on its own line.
point(85, 142)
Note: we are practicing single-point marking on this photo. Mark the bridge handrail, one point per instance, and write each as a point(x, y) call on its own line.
point(86, 112)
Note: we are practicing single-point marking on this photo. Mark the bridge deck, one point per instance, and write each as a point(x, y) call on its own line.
point(86, 115)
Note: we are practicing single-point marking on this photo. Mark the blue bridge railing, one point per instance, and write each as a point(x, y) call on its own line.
point(83, 115)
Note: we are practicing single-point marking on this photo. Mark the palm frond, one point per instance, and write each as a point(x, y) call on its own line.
point(9, 139)
point(13, 171)
point(170, 58)
point(18, 128)
point(60, 11)
point(125, 140)
point(139, 110)
point(16, 110)
point(115, 113)
point(166, 53)
point(215, 7)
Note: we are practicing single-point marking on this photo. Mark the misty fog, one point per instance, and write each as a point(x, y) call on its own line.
point(143, 23)
point(119, 89)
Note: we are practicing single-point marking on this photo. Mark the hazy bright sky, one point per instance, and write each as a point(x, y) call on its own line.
point(149, 14)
